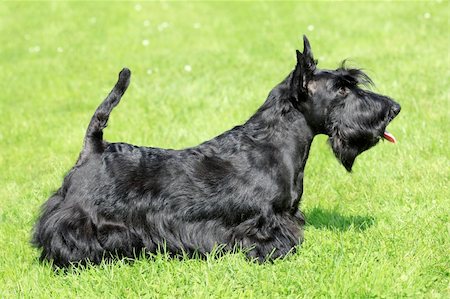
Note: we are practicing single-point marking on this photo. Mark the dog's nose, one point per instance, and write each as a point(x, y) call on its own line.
point(396, 109)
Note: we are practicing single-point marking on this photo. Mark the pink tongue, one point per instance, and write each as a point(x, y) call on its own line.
point(389, 137)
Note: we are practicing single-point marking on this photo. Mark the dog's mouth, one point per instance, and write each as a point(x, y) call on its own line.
point(389, 137)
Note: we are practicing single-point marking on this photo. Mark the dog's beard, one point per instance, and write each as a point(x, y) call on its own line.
point(347, 149)
point(352, 134)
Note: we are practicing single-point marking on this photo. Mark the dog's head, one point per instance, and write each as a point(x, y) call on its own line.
point(335, 103)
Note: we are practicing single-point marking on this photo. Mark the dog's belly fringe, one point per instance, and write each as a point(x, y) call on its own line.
point(70, 233)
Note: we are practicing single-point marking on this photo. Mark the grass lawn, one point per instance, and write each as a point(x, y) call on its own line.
point(198, 70)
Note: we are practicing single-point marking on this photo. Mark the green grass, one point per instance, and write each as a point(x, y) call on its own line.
point(382, 231)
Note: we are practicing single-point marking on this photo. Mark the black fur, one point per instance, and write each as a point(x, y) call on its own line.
point(241, 189)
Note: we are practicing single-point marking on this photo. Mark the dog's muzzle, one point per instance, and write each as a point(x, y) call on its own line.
point(394, 112)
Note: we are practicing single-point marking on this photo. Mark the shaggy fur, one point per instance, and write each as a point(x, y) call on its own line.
point(241, 189)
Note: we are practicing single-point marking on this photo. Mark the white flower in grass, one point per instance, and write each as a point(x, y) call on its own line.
point(427, 15)
point(137, 7)
point(188, 68)
point(59, 50)
point(310, 27)
point(145, 42)
point(164, 5)
point(34, 49)
point(163, 26)
point(149, 71)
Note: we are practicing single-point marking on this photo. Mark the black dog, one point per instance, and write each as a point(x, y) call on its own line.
point(241, 189)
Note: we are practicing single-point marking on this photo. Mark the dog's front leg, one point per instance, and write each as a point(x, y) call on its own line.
point(296, 193)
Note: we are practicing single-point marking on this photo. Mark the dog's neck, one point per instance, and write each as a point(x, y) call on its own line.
point(278, 123)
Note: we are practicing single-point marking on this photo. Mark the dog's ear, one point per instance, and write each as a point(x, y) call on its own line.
point(304, 69)
point(308, 58)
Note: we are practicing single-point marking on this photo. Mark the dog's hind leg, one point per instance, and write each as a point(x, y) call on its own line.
point(68, 235)
point(93, 141)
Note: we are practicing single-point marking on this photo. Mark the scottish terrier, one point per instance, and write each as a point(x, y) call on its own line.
point(241, 189)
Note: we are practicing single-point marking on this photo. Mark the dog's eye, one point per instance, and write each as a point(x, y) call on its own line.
point(343, 91)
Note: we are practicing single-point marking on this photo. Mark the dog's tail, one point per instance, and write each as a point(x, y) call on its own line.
point(93, 141)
